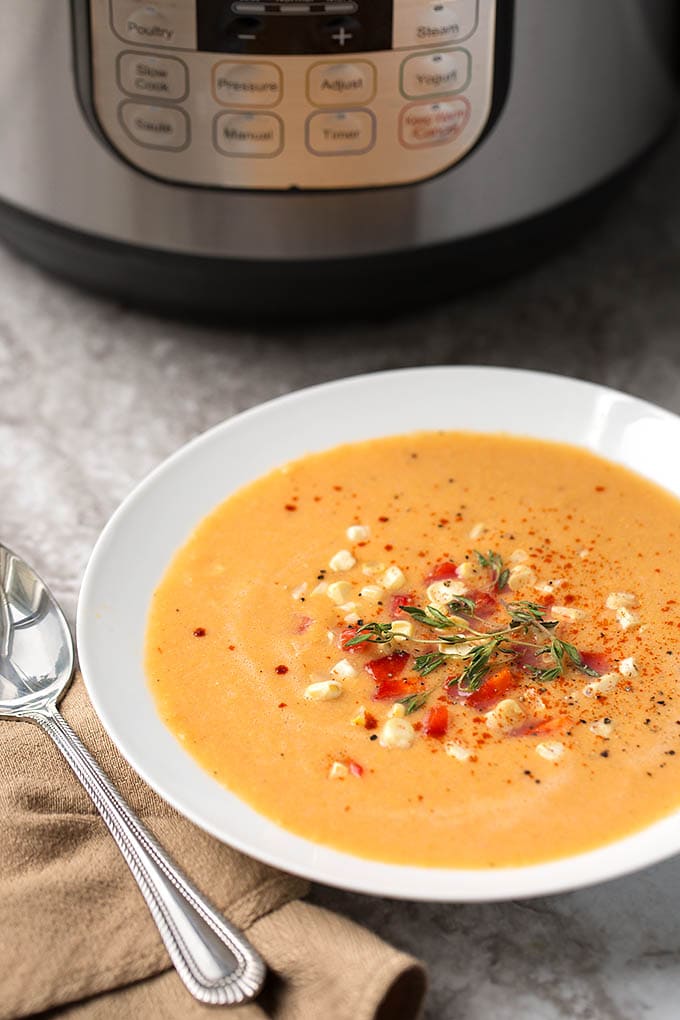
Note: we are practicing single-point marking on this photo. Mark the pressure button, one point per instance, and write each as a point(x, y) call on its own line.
point(341, 84)
point(246, 84)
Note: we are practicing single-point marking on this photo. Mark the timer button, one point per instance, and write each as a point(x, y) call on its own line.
point(340, 84)
point(341, 133)
point(423, 125)
point(431, 74)
point(247, 84)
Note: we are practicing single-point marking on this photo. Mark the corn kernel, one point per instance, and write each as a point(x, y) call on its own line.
point(343, 560)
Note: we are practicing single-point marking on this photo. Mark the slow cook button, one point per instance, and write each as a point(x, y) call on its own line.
point(249, 134)
point(140, 74)
point(339, 84)
point(341, 133)
point(247, 84)
point(431, 74)
point(157, 127)
point(422, 125)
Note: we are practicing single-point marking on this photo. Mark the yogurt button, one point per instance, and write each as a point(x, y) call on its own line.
point(431, 74)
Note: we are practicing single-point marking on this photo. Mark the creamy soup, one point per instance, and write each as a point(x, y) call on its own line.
point(439, 649)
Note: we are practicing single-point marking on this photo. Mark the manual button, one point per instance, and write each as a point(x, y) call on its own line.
point(246, 84)
point(248, 134)
point(339, 84)
point(157, 127)
point(343, 132)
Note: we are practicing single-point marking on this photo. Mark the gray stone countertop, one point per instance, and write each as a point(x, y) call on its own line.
point(95, 395)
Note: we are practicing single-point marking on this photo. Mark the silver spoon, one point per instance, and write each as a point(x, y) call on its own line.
point(214, 960)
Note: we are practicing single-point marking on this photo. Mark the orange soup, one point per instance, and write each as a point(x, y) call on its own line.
point(440, 649)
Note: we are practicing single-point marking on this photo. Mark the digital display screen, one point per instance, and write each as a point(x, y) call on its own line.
point(294, 26)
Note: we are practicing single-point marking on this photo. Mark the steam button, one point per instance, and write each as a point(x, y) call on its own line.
point(435, 22)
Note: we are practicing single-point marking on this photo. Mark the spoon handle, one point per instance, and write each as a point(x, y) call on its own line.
point(214, 960)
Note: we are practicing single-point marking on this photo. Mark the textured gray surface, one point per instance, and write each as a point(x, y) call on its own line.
point(94, 396)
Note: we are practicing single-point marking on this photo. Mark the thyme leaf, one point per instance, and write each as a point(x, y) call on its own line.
point(412, 702)
point(461, 604)
point(371, 633)
point(493, 561)
point(425, 664)
point(430, 617)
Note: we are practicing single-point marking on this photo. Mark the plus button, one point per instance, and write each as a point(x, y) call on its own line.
point(341, 37)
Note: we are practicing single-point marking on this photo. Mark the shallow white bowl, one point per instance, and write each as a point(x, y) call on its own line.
point(141, 537)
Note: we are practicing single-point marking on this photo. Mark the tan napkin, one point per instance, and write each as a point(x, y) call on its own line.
point(75, 934)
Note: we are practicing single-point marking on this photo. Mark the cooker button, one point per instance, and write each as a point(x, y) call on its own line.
point(161, 77)
point(339, 84)
point(422, 125)
point(434, 23)
point(158, 127)
point(247, 84)
point(343, 132)
point(248, 134)
point(430, 74)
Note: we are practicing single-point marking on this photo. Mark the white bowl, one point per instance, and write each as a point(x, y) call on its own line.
point(137, 544)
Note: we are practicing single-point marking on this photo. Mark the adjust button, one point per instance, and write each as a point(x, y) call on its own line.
point(341, 133)
point(157, 127)
point(141, 74)
point(431, 74)
point(248, 134)
point(423, 125)
point(339, 84)
point(247, 84)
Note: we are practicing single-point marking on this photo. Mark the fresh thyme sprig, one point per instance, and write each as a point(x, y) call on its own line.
point(527, 629)
point(493, 561)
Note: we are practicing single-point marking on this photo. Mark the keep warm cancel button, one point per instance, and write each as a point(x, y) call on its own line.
point(424, 124)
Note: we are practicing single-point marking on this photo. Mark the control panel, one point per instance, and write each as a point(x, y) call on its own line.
point(282, 94)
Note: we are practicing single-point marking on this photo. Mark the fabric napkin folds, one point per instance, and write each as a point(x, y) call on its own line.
point(76, 937)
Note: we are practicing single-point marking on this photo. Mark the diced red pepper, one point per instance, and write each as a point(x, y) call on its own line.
point(387, 667)
point(355, 768)
point(493, 690)
point(370, 721)
point(302, 623)
point(442, 572)
point(346, 635)
point(436, 721)
point(398, 601)
point(543, 727)
point(386, 689)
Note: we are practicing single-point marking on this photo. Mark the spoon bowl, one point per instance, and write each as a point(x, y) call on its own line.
point(216, 962)
point(36, 647)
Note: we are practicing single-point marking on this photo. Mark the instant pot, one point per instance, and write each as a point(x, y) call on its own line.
point(318, 156)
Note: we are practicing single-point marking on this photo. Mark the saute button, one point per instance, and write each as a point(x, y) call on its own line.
point(247, 84)
point(162, 77)
point(338, 84)
point(249, 134)
point(345, 132)
point(431, 74)
point(434, 23)
point(158, 127)
point(425, 124)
